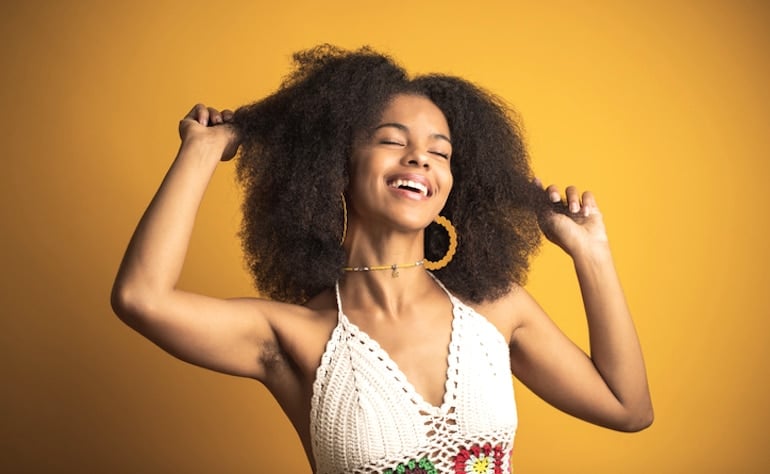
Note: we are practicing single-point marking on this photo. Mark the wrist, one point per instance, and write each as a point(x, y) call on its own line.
point(595, 252)
point(203, 149)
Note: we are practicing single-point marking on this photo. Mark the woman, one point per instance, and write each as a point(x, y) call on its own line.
point(390, 222)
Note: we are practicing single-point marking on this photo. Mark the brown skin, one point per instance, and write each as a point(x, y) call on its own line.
point(281, 344)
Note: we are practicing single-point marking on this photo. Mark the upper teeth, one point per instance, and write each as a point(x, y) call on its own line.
point(411, 184)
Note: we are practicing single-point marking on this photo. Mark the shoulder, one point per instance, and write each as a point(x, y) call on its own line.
point(509, 312)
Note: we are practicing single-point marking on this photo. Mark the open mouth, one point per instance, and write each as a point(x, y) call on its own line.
point(409, 185)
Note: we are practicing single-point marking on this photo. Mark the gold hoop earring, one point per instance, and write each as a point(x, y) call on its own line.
point(450, 230)
point(344, 219)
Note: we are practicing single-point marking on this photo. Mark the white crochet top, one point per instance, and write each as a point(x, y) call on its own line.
point(366, 417)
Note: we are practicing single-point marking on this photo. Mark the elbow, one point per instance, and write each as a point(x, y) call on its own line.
point(122, 301)
point(639, 420)
point(128, 303)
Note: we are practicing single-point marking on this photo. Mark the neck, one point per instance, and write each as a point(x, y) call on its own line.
point(383, 251)
point(378, 293)
point(382, 285)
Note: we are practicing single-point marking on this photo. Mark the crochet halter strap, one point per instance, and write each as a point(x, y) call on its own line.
point(367, 417)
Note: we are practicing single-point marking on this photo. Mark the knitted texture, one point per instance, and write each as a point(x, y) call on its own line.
point(367, 417)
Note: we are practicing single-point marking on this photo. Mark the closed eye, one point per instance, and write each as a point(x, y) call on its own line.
point(391, 142)
point(441, 154)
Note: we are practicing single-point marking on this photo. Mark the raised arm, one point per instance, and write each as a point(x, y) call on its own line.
point(225, 335)
point(609, 387)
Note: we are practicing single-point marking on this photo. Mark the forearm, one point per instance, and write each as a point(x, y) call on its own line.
point(155, 255)
point(615, 348)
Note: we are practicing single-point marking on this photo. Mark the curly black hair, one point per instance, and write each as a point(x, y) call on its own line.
point(293, 166)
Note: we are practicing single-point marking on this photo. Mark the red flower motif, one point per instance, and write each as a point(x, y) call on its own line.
point(477, 459)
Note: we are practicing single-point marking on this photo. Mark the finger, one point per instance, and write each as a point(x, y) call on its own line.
point(193, 113)
point(589, 204)
point(199, 113)
point(215, 117)
point(553, 193)
point(227, 115)
point(573, 199)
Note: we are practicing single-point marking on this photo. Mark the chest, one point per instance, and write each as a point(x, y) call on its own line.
point(417, 346)
point(369, 394)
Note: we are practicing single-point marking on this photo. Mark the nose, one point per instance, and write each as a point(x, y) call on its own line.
point(417, 157)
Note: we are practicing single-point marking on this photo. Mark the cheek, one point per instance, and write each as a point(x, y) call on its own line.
point(358, 173)
point(360, 186)
point(449, 180)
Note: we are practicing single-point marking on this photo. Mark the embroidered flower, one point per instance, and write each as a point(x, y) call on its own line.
point(480, 460)
point(420, 466)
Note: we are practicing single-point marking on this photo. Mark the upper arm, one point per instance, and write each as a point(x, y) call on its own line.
point(232, 336)
point(556, 369)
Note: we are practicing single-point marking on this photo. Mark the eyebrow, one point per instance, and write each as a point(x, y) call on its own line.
point(404, 128)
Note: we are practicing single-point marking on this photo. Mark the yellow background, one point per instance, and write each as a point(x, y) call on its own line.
point(660, 107)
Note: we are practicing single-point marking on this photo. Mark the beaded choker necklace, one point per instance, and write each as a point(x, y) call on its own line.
point(394, 267)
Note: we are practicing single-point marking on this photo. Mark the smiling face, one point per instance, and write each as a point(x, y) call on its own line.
point(400, 174)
